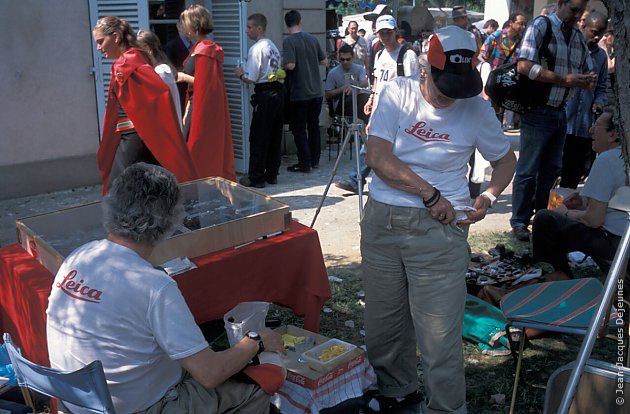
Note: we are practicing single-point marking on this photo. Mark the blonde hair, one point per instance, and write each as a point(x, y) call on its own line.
point(196, 19)
point(109, 25)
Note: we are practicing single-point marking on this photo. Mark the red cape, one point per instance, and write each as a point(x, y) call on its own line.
point(210, 137)
point(147, 101)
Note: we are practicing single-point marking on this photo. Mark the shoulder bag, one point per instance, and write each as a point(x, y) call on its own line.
point(513, 91)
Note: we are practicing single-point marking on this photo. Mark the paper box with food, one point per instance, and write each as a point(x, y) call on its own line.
point(313, 360)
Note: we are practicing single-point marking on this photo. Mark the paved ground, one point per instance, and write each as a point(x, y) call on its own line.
point(337, 223)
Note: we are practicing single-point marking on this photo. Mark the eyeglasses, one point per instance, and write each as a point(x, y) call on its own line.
point(345, 59)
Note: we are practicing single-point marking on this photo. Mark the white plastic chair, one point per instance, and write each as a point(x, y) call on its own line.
point(85, 388)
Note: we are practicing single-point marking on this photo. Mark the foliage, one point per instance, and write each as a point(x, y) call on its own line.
point(471, 5)
point(348, 7)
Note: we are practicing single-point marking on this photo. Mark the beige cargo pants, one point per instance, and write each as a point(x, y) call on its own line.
point(414, 276)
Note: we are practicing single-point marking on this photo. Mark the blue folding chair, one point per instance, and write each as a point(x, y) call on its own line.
point(85, 388)
point(578, 306)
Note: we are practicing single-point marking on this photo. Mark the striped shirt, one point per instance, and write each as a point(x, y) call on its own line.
point(571, 57)
point(496, 49)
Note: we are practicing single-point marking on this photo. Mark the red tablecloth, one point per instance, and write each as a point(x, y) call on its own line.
point(287, 270)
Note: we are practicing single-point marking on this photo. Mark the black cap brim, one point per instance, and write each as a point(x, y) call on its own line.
point(457, 85)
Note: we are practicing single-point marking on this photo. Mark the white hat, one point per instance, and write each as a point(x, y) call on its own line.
point(385, 22)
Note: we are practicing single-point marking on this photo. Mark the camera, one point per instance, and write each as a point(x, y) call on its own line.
point(334, 129)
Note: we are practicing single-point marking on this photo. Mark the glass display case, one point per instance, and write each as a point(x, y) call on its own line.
point(219, 214)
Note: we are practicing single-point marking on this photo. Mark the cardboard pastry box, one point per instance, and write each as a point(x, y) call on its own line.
point(219, 214)
point(302, 374)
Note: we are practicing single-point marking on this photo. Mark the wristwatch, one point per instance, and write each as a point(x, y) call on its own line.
point(256, 337)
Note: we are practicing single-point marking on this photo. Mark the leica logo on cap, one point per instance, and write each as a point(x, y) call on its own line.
point(460, 59)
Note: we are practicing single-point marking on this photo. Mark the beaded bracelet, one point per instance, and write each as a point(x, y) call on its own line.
point(433, 200)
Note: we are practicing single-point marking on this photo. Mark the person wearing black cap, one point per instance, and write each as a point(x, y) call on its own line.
point(415, 224)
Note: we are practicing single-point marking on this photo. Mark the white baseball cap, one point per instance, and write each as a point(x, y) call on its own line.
point(385, 22)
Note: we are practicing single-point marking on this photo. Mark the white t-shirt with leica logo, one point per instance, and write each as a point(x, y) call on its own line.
point(435, 143)
point(108, 303)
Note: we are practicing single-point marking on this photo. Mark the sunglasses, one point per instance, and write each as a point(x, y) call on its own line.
point(345, 59)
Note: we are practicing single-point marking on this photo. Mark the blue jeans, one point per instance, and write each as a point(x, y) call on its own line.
point(539, 161)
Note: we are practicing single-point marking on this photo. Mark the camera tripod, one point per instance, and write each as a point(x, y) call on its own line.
point(356, 132)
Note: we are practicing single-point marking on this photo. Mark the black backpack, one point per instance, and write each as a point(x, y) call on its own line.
point(515, 92)
point(377, 50)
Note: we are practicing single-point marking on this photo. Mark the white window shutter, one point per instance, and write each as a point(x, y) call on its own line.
point(229, 18)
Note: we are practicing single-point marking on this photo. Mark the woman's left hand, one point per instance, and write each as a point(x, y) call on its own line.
point(443, 211)
point(481, 206)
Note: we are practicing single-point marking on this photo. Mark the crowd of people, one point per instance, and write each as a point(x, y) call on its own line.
point(425, 118)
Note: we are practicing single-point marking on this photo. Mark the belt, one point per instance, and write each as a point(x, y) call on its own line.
point(267, 86)
point(124, 124)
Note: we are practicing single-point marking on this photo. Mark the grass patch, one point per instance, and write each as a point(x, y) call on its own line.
point(481, 242)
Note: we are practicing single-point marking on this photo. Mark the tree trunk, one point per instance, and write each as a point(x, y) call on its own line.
point(619, 11)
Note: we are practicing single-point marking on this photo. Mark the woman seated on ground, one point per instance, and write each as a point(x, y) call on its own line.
point(584, 222)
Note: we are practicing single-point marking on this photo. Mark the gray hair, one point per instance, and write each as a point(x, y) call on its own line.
point(143, 204)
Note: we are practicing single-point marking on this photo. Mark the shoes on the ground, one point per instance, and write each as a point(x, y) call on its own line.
point(249, 183)
point(521, 233)
point(299, 168)
point(381, 404)
point(272, 180)
point(347, 186)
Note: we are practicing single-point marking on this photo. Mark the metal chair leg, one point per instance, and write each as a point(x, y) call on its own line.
point(511, 342)
point(519, 362)
point(26, 394)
